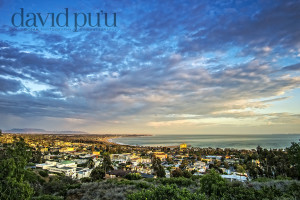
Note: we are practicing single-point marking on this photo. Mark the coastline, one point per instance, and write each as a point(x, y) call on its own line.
point(110, 140)
point(246, 142)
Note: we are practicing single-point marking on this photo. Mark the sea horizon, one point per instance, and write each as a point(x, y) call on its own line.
point(236, 141)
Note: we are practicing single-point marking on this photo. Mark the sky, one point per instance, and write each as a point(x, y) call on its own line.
point(168, 67)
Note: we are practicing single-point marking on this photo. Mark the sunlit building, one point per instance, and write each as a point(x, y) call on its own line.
point(183, 146)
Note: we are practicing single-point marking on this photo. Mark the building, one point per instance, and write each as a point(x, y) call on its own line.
point(122, 158)
point(46, 165)
point(96, 153)
point(234, 177)
point(160, 155)
point(183, 146)
point(66, 163)
point(68, 171)
point(83, 172)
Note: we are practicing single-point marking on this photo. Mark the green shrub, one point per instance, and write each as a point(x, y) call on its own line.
point(212, 184)
point(43, 173)
point(142, 185)
point(187, 174)
point(165, 192)
point(149, 180)
point(180, 181)
point(133, 176)
point(47, 197)
point(86, 180)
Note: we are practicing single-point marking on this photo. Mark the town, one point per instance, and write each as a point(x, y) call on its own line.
point(77, 166)
point(77, 155)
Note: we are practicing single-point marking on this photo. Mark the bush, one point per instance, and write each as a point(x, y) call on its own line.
point(212, 184)
point(180, 181)
point(86, 180)
point(150, 180)
point(97, 174)
point(43, 173)
point(142, 185)
point(187, 174)
point(166, 192)
point(133, 176)
point(101, 190)
point(47, 197)
point(177, 173)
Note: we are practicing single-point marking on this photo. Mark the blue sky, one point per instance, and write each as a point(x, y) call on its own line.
point(169, 67)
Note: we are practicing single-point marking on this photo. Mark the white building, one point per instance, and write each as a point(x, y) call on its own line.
point(234, 177)
point(83, 172)
point(68, 171)
point(66, 163)
point(46, 165)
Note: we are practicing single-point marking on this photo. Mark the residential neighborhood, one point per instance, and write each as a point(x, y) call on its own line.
point(76, 157)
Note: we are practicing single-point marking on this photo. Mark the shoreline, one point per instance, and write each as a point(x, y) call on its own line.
point(109, 140)
point(240, 145)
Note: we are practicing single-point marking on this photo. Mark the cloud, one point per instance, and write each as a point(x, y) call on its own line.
point(295, 67)
point(9, 85)
point(208, 60)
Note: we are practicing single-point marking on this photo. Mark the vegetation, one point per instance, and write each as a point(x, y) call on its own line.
point(275, 176)
point(90, 163)
point(106, 164)
point(133, 176)
point(13, 160)
point(166, 192)
point(97, 174)
point(294, 157)
point(158, 168)
point(43, 173)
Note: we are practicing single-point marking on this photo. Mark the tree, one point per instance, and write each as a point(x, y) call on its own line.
point(177, 173)
point(158, 168)
point(183, 164)
point(90, 163)
point(97, 174)
point(37, 156)
point(187, 174)
point(0, 132)
point(155, 163)
point(161, 172)
point(170, 160)
point(106, 164)
point(212, 184)
point(253, 172)
point(13, 160)
point(294, 157)
point(226, 165)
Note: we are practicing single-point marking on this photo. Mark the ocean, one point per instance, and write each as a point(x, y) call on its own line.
point(273, 141)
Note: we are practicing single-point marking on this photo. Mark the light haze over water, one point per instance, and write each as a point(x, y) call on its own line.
point(273, 141)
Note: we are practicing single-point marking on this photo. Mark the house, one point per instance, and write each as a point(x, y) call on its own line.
point(46, 165)
point(234, 177)
point(123, 158)
point(66, 163)
point(83, 172)
point(68, 171)
point(227, 171)
point(160, 155)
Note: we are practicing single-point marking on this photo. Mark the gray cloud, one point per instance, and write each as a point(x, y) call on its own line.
point(156, 64)
point(9, 85)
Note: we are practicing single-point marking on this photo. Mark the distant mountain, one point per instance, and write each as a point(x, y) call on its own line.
point(41, 131)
